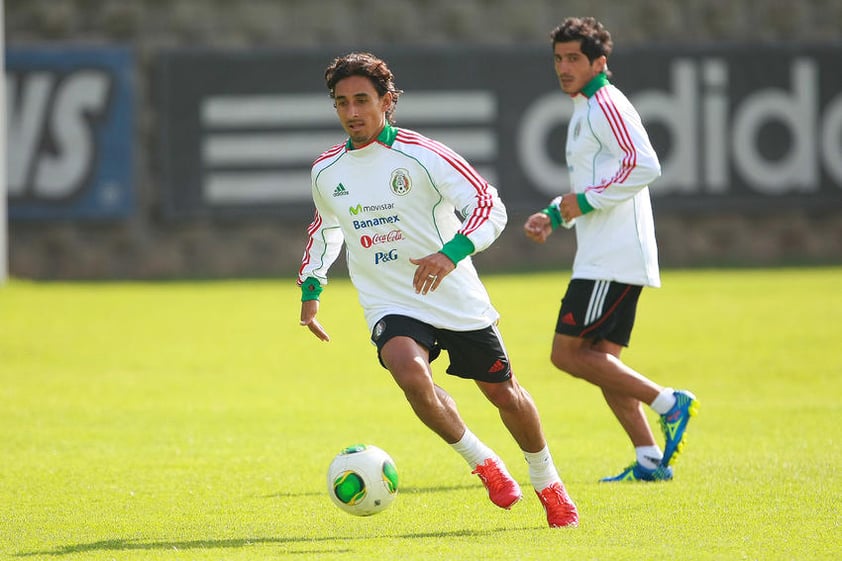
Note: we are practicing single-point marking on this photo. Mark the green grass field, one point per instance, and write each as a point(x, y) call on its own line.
point(196, 421)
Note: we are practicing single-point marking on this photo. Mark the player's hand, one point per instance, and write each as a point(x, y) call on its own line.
point(538, 227)
point(430, 272)
point(569, 207)
point(309, 309)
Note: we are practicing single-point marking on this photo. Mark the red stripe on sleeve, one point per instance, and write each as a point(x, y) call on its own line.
point(621, 133)
point(329, 153)
point(484, 200)
point(311, 229)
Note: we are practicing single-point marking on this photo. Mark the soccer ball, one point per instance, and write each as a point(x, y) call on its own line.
point(362, 480)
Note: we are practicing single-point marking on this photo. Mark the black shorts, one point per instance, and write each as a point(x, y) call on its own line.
point(599, 310)
point(476, 355)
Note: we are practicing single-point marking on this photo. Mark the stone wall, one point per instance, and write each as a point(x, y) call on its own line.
point(147, 246)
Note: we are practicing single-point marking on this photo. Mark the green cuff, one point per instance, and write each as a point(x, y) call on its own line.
point(310, 289)
point(555, 215)
point(584, 205)
point(458, 248)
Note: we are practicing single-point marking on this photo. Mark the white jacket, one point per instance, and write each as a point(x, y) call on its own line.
point(612, 162)
point(394, 199)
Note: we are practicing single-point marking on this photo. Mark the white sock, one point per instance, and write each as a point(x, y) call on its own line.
point(649, 456)
point(542, 472)
point(472, 449)
point(664, 402)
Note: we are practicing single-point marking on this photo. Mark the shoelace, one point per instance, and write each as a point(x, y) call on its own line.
point(556, 499)
point(558, 495)
point(490, 475)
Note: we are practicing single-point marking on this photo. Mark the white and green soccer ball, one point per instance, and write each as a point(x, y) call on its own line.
point(362, 480)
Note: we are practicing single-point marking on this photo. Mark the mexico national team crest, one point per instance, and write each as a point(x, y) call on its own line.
point(400, 182)
point(379, 328)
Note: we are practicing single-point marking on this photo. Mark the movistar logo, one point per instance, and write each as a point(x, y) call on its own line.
point(340, 191)
point(363, 209)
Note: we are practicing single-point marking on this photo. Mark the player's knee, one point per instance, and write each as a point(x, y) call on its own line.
point(561, 359)
point(420, 398)
point(408, 372)
point(505, 395)
point(566, 360)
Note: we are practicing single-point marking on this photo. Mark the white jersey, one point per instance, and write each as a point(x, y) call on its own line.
point(397, 198)
point(612, 162)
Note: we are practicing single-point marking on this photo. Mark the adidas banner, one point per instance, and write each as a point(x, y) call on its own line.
point(734, 127)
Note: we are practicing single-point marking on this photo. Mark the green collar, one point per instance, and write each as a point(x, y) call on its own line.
point(596, 82)
point(386, 137)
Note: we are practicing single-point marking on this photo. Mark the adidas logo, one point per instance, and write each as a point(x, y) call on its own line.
point(568, 319)
point(340, 191)
point(496, 367)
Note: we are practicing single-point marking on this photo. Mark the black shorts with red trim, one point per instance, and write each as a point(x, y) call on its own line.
point(597, 309)
point(476, 355)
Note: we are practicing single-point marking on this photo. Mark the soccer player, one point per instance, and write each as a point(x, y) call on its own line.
point(391, 196)
point(611, 163)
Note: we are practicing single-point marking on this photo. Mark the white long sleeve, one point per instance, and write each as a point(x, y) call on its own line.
point(397, 198)
point(612, 162)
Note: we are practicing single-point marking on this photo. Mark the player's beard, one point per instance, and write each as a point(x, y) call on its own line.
point(362, 135)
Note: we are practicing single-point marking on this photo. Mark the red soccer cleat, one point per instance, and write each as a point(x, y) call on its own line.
point(561, 512)
point(503, 490)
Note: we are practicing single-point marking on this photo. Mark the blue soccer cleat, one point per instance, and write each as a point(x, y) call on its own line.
point(636, 472)
point(674, 424)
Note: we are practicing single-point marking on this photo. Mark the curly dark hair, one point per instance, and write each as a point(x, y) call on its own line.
point(594, 39)
point(368, 66)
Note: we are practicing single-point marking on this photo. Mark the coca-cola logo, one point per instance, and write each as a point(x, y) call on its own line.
point(376, 239)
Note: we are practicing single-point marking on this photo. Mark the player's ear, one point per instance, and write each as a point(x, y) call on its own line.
point(601, 64)
point(387, 101)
